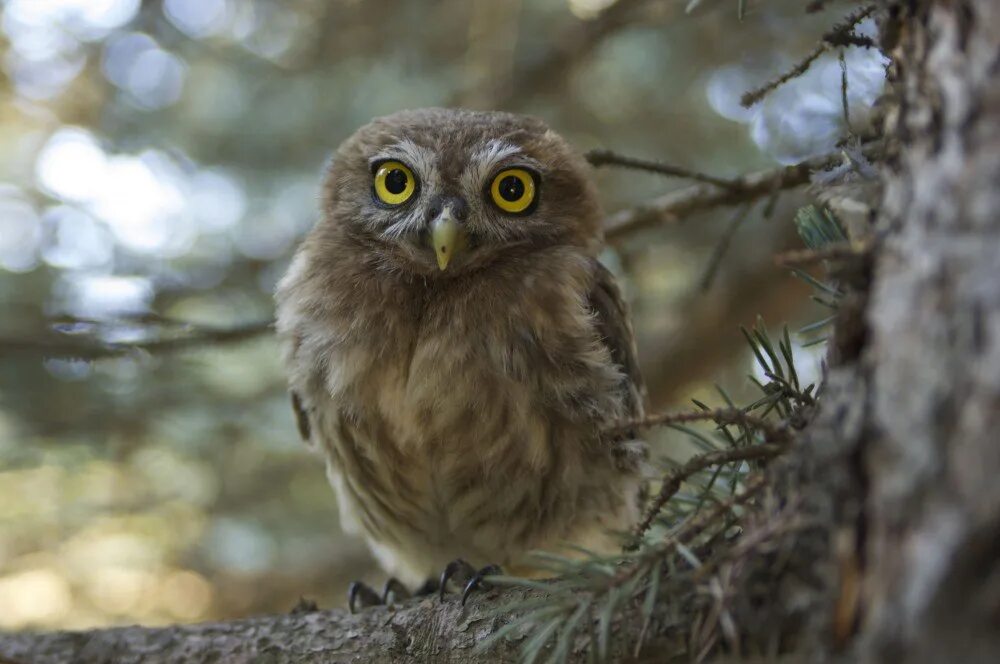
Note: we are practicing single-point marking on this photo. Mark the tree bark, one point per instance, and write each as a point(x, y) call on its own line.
point(930, 446)
point(904, 457)
point(419, 631)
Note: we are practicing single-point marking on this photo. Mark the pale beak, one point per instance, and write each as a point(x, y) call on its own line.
point(447, 237)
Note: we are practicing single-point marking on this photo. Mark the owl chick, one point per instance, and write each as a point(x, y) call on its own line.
point(454, 347)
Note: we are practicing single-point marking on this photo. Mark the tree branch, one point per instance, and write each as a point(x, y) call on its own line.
point(598, 158)
point(419, 630)
point(720, 416)
point(839, 251)
point(840, 35)
point(53, 343)
point(672, 482)
point(675, 206)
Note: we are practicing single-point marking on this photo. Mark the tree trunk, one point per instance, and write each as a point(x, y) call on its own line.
point(929, 371)
point(902, 462)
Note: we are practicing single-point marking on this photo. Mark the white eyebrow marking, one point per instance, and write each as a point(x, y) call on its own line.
point(417, 157)
point(495, 151)
point(486, 159)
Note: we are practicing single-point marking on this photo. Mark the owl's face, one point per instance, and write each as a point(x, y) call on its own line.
point(438, 192)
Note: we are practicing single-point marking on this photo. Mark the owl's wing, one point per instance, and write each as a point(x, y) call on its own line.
point(616, 332)
point(301, 416)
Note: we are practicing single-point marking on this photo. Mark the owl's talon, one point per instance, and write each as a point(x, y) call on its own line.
point(394, 590)
point(363, 592)
point(478, 581)
point(460, 570)
point(467, 576)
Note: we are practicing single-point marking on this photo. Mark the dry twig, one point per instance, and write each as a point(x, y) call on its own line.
point(840, 35)
point(719, 415)
point(88, 347)
point(598, 158)
point(839, 251)
point(721, 247)
point(677, 205)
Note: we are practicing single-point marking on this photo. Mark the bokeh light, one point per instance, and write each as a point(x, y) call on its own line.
point(198, 18)
point(805, 117)
point(161, 160)
point(20, 232)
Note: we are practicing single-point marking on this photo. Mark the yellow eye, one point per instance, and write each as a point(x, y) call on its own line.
point(394, 183)
point(513, 190)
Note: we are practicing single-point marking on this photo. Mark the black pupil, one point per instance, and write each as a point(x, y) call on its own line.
point(511, 188)
point(395, 181)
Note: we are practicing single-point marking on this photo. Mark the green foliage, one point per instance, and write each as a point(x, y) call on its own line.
point(819, 229)
point(596, 601)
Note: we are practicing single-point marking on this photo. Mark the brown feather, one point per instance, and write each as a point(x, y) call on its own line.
point(459, 411)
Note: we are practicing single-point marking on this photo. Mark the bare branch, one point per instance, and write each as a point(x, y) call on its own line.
point(840, 35)
point(752, 97)
point(675, 206)
point(417, 630)
point(721, 247)
point(54, 343)
point(839, 251)
point(844, 105)
point(598, 158)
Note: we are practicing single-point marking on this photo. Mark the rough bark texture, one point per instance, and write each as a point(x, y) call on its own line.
point(421, 631)
point(903, 458)
point(931, 432)
point(900, 467)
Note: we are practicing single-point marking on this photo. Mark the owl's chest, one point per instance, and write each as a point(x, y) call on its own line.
point(441, 386)
point(437, 431)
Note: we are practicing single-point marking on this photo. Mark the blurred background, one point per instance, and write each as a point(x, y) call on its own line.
point(159, 161)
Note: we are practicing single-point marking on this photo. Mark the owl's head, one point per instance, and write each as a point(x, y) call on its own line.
point(438, 192)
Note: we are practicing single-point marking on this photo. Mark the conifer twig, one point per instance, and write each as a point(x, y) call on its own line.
point(752, 97)
point(598, 158)
point(672, 482)
point(697, 523)
point(840, 250)
point(721, 247)
point(719, 415)
point(677, 205)
point(56, 344)
point(840, 35)
point(844, 105)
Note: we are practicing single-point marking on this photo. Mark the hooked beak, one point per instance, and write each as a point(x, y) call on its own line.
point(447, 237)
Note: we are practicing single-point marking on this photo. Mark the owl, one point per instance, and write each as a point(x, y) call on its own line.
point(454, 349)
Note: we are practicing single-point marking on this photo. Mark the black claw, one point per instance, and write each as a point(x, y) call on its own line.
point(465, 574)
point(477, 581)
point(396, 589)
point(457, 568)
point(359, 590)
